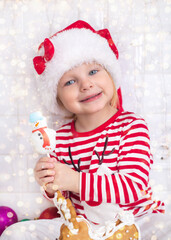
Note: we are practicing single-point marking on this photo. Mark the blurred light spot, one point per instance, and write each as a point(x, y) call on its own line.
point(6, 176)
point(2, 20)
point(39, 200)
point(21, 147)
point(154, 237)
point(10, 189)
point(31, 179)
point(8, 159)
point(20, 204)
point(32, 227)
point(21, 173)
point(10, 214)
point(30, 171)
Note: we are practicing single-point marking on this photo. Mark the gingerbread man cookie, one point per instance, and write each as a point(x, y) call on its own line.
point(78, 228)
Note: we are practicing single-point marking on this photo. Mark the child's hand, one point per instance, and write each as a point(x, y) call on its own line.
point(44, 171)
point(66, 179)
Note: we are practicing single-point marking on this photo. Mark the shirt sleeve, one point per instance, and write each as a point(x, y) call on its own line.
point(130, 182)
point(45, 194)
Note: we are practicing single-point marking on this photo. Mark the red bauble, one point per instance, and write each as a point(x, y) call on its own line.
point(50, 213)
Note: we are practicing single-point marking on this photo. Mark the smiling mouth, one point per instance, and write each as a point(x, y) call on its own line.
point(91, 98)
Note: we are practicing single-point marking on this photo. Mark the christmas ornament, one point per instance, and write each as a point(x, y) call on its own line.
point(7, 217)
point(49, 213)
point(25, 219)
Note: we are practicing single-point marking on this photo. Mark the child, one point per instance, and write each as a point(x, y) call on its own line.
point(102, 157)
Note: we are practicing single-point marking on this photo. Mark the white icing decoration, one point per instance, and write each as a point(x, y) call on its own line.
point(126, 217)
point(57, 203)
point(74, 231)
point(101, 233)
point(63, 207)
point(71, 228)
point(68, 216)
point(110, 227)
point(70, 225)
point(61, 204)
point(60, 201)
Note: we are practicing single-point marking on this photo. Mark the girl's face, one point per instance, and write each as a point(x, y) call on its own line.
point(86, 89)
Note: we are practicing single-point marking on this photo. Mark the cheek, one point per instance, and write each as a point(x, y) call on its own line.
point(64, 95)
point(67, 98)
point(109, 89)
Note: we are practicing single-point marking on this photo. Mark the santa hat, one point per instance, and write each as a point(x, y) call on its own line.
point(76, 44)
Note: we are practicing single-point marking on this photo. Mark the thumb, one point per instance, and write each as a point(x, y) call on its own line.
point(52, 186)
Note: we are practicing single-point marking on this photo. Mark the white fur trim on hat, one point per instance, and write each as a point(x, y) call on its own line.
point(72, 48)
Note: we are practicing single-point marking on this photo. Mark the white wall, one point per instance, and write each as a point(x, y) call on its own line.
point(141, 31)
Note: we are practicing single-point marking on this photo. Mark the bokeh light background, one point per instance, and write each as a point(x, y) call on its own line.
point(141, 31)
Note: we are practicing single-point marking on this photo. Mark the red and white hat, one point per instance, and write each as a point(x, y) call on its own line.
point(76, 44)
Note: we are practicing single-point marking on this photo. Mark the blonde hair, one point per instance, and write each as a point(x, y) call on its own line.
point(114, 99)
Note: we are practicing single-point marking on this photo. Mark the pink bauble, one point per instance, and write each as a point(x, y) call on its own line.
point(7, 217)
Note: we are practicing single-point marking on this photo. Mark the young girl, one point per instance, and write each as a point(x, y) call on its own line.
point(102, 157)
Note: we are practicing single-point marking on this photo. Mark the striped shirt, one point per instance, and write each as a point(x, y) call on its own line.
point(114, 162)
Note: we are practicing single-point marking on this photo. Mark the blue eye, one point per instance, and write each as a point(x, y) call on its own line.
point(70, 82)
point(92, 72)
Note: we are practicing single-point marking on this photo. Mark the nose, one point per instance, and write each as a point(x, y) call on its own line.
point(85, 85)
point(36, 125)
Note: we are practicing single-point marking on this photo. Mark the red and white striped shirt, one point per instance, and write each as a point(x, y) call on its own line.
point(114, 162)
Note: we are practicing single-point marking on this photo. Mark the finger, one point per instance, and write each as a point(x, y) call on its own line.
point(44, 165)
point(47, 159)
point(40, 163)
point(44, 160)
point(46, 180)
point(45, 173)
point(52, 186)
point(54, 160)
